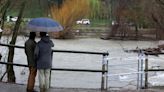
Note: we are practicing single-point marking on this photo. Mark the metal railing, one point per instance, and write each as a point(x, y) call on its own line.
point(145, 63)
point(104, 71)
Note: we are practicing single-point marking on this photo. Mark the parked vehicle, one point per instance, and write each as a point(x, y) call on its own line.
point(14, 19)
point(83, 21)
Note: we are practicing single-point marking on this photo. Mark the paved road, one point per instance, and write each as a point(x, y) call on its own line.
point(7, 87)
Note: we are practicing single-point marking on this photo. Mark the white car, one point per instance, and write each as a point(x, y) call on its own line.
point(14, 19)
point(83, 21)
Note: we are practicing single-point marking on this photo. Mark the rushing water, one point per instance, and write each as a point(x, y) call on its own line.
point(118, 60)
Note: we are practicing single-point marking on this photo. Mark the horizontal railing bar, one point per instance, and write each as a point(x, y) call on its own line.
point(152, 53)
point(151, 70)
point(7, 63)
point(59, 69)
point(79, 70)
point(82, 52)
point(64, 51)
point(10, 45)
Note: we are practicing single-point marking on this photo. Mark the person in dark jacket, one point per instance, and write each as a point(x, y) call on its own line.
point(30, 45)
point(43, 55)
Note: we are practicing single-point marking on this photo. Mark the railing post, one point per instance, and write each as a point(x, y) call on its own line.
point(142, 70)
point(50, 78)
point(104, 68)
point(50, 70)
point(138, 68)
point(146, 71)
point(107, 73)
point(141, 57)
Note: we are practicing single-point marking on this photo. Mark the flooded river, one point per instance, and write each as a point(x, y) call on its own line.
point(120, 62)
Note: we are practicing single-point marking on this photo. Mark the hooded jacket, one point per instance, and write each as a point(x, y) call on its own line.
point(43, 53)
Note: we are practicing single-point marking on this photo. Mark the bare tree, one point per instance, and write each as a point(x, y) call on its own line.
point(154, 11)
point(10, 70)
point(126, 12)
point(3, 11)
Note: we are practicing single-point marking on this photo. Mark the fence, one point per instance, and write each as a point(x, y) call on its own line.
point(104, 70)
point(147, 70)
point(143, 68)
point(132, 71)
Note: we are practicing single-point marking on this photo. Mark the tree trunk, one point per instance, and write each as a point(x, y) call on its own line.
point(10, 70)
point(136, 31)
point(4, 11)
point(114, 30)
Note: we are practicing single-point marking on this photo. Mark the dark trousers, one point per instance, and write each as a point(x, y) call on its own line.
point(31, 79)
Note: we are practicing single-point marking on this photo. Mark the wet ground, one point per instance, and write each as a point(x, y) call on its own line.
point(7, 87)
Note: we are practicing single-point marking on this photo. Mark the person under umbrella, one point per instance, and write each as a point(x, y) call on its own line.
point(43, 55)
point(29, 50)
point(43, 51)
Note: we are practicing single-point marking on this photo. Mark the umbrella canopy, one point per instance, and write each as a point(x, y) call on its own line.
point(44, 25)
